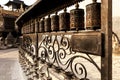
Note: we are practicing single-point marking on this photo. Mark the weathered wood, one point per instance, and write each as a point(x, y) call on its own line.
point(90, 43)
point(106, 26)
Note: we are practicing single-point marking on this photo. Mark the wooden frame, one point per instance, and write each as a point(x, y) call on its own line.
point(106, 26)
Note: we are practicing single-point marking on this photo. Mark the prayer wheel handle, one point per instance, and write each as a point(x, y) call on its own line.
point(77, 5)
point(94, 1)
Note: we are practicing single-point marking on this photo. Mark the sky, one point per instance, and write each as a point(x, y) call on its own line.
point(116, 8)
point(116, 5)
point(28, 2)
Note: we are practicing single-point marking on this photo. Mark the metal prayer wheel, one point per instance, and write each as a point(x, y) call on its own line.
point(28, 28)
point(77, 18)
point(64, 21)
point(47, 24)
point(32, 27)
point(23, 30)
point(41, 25)
point(31, 30)
point(36, 25)
point(55, 22)
point(93, 15)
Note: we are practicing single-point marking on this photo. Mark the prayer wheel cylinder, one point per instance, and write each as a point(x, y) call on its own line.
point(64, 21)
point(77, 19)
point(25, 29)
point(22, 30)
point(47, 24)
point(41, 26)
point(32, 27)
point(29, 28)
point(93, 16)
point(55, 23)
point(37, 25)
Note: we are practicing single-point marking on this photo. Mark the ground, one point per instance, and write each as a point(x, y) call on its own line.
point(10, 68)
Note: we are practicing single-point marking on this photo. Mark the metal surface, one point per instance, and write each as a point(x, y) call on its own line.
point(37, 25)
point(77, 19)
point(64, 21)
point(32, 26)
point(41, 25)
point(47, 25)
point(93, 16)
point(55, 22)
point(90, 43)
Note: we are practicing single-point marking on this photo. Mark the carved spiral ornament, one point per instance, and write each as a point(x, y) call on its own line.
point(56, 50)
point(28, 46)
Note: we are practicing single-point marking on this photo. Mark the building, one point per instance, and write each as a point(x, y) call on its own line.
point(16, 5)
point(7, 21)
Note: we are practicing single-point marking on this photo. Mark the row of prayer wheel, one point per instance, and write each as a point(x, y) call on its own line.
point(64, 21)
point(28, 27)
point(74, 20)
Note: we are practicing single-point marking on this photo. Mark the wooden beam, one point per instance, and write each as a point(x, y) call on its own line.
point(106, 26)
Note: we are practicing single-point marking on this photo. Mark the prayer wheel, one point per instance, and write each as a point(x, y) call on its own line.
point(47, 24)
point(64, 21)
point(37, 25)
point(77, 18)
point(22, 30)
point(29, 25)
point(28, 28)
point(32, 26)
point(25, 30)
point(55, 22)
point(41, 25)
point(93, 15)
